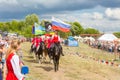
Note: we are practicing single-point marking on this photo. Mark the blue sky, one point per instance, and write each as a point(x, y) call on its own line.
point(103, 15)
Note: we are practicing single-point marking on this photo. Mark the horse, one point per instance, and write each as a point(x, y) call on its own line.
point(33, 48)
point(54, 53)
point(41, 49)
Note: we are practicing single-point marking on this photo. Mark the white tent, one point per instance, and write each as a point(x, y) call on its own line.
point(107, 37)
point(89, 38)
point(78, 38)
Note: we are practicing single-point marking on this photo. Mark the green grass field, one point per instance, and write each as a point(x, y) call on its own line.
point(73, 67)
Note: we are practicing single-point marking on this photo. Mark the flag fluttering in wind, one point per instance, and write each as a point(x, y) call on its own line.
point(33, 29)
point(48, 26)
point(38, 30)
point(60, 25)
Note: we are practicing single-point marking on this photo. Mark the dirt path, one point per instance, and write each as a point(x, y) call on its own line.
point(44, 71)
point(71, 67)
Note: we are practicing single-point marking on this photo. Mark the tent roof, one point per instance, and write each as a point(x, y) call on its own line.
point(107, 37)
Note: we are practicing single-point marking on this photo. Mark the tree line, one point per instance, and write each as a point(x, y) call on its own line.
point(24, 27)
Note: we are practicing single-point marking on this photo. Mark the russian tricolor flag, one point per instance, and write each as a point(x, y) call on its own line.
point(60, 25)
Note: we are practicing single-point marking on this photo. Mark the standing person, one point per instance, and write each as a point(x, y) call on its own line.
point(2, 55)
point(115, 49)
point(1, 52)
point(13, 62)
point(2, 59)
point(118, 50)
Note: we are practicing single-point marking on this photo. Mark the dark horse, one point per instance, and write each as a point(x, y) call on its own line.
point(54, 53)
point(40, 50)
point(33, 48)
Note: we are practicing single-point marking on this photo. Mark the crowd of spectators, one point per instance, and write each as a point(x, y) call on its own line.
point(109, 46)
point(5, 45)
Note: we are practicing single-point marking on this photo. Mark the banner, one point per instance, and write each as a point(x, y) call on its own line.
point(48, 26)
point(38, 30)
point(60, 25)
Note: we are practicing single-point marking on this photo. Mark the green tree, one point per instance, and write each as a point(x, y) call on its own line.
point(64, 35)
point(76, 28)
point(3, 26)
point(117, 34)
point(21, 25)
point(27, 31)
point(14, 25)
point(91, 31)
point(31, 19)
point(42, 23)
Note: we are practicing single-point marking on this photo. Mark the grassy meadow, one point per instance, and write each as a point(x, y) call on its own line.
point(73, 67)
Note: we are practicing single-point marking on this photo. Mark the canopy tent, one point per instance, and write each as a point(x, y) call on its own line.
point(107, 37)
point(79, 38)
point(71, 42)
point(91, 39)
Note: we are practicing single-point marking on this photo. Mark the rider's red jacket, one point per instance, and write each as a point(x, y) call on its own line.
point(55, 38)
point(33, 40)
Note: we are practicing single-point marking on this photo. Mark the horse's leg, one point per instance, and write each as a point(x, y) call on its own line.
point(49, 55)
point(31, 49)
point(58, 64)
point(44, 58)
point(55, 65)
point(39, 61)
point(42, 55)
point(35, 56)
point(61, 50)
point(50, 59)
point(45, 52)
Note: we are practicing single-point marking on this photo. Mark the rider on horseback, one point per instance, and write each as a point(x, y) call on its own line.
point(38, 41)
point(56, 40)
point(33, 41)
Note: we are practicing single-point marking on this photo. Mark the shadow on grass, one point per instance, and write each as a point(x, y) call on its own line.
point(29, 56)
point(46, 62)
point(45, 68)
point(30, 61)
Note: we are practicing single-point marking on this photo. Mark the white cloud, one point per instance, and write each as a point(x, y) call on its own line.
point(97, 15)
point(8, 2)
point(113, 13)
point(46, 3)
point(86, 15)
point(94, 15)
